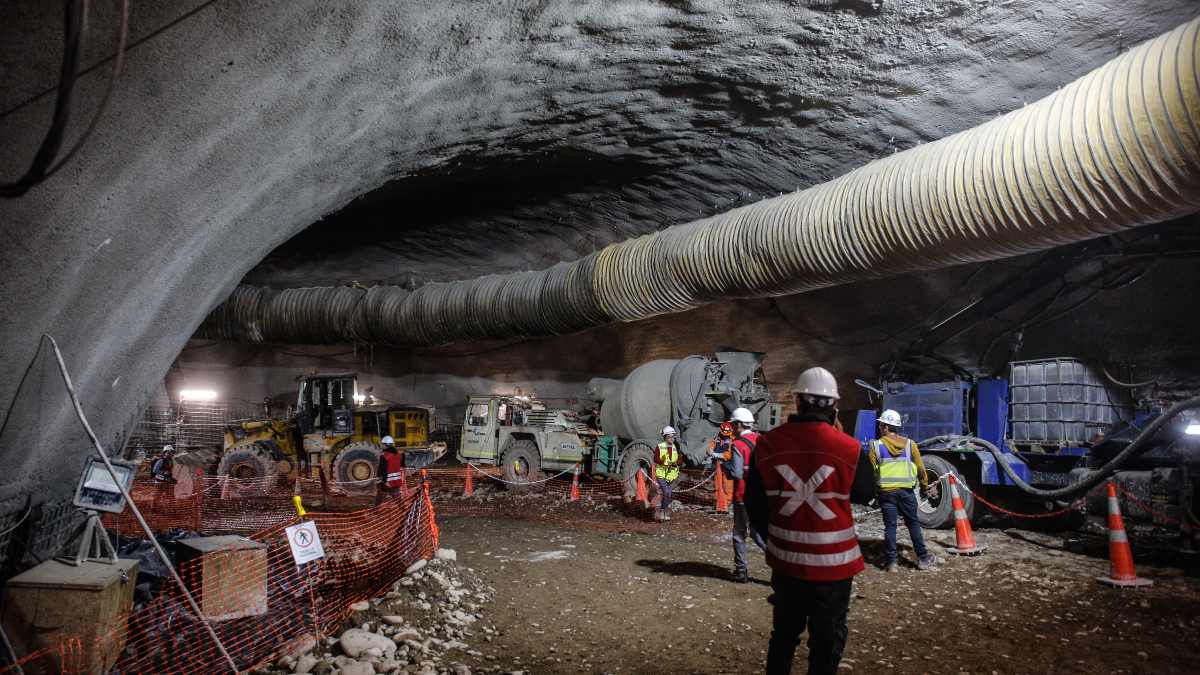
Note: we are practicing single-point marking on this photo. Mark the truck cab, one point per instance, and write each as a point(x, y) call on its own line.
point(498, 428)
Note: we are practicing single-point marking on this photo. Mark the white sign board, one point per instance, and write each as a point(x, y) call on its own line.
point(305, 542)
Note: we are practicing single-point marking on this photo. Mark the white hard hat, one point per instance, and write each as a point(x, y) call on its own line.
point(387, 440)
point(817, 382)
point(742, 415)
point(668, 430)
point(168, 448)
point(891, 418)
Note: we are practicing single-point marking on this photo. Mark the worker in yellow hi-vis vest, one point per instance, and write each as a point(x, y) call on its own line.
point(666, 471)
point(898, 470)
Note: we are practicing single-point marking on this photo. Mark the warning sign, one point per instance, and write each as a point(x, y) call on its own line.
point(305, 542)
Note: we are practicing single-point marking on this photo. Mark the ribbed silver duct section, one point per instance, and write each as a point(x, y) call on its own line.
point(1118, 148)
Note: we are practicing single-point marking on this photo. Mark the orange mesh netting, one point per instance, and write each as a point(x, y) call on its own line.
point(367, 549)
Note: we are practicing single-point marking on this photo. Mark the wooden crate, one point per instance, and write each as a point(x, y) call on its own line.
point(227, 574)
point(55, 601)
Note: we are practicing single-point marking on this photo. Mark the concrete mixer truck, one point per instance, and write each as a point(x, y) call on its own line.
point(693, 394)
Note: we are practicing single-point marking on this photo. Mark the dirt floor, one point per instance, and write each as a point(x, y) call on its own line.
point(587, 587)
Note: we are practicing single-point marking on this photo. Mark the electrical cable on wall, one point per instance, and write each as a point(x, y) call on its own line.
point(74, 40)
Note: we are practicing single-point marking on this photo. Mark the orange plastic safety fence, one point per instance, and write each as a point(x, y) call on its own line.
point(256, 604)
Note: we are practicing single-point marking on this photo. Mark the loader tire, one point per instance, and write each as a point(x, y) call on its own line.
point(251, 470)
point(356, 468)
point(939, 513)
point(521, 466)
point(637, 455)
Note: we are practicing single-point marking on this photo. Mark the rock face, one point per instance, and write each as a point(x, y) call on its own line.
point(570, 124)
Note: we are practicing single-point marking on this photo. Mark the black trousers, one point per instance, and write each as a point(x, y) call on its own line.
point(819, 606)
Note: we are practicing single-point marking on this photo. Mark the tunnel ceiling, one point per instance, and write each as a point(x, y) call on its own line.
point(618, 119)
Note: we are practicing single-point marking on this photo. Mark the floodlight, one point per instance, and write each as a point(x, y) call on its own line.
point(1193, 429)
point(98, 491)
point(197, 395)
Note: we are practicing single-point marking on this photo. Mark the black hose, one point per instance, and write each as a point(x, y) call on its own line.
point(74, 35)
point(1127, 385)
point(1136, 448)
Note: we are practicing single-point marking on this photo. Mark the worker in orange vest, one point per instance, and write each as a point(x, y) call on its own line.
point(800, 485)
point(721, 452)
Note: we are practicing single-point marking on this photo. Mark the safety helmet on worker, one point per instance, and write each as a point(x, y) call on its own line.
point(387, 440)
point(742, 415)
point(726, 429)
point(817, 385)
point(168, 449)
point(668, 431)
point(891, 418)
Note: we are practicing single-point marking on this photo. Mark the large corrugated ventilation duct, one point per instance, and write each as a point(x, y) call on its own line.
point(1117, 148)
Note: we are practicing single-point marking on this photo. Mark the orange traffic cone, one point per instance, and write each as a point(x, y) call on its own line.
point(964, 537)
point(722, 498)
point(641, 489)
point(575, 485)
point(468, 482)
point(1121, 572)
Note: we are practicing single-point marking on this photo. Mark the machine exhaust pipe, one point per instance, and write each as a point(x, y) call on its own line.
point(1115, 149)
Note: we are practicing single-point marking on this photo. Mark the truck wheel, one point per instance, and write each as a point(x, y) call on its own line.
point(521, 465)
point(251, 469)
point(637, 455)
point(356, 468)
point(938, 512)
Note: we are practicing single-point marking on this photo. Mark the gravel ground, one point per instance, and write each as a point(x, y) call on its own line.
point(560, 587)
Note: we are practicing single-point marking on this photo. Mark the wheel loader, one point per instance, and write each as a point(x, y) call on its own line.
point(334, 434)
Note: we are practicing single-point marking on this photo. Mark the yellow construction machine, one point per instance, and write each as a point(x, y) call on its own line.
point(335, 434)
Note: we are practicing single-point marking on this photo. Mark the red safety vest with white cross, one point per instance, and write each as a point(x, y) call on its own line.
point(807, 470)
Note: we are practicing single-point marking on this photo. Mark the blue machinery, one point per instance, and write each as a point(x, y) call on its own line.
point(941, 410)
point(1057, 428)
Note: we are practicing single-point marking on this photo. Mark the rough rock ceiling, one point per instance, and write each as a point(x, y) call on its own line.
point(609, 120)
point(485, 136)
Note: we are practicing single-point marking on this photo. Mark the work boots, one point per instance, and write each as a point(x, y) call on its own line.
point(892, 566)
point(928, 562)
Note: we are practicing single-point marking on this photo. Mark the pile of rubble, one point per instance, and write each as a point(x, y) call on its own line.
point(426, 624)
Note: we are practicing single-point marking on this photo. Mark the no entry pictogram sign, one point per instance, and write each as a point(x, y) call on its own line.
point(305, 542)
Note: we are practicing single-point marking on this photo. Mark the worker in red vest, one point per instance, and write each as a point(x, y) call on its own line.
point(391, 471)
point(744, 440)
point(798, 495)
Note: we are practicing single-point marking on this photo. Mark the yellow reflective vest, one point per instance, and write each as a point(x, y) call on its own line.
point(898, 472)
point(667, 466)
